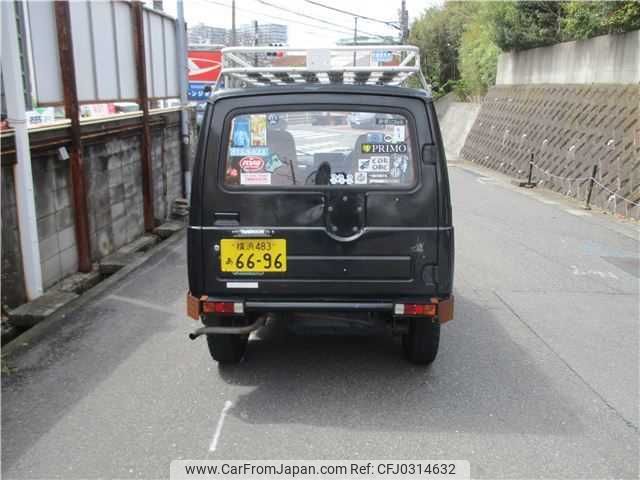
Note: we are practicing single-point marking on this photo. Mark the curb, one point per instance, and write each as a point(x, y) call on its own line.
point(26, 339)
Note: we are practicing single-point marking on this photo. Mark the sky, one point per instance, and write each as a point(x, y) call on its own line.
point(313, 33)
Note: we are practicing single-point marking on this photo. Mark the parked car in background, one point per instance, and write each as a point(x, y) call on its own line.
point(368, 120)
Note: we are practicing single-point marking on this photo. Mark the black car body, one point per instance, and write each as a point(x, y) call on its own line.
point(382, 249)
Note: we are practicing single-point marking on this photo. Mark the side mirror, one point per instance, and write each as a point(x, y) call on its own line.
point(430, 154)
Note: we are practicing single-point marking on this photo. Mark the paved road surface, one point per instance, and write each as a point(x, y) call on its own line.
point(536, 377)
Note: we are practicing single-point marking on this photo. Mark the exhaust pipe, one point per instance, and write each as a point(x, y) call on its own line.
point(230, 330)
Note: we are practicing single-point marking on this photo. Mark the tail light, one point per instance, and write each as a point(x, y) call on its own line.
point(222, 307)
point(416, 309)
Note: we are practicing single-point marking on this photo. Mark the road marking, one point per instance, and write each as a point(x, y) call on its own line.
point(216, 436)
point(309, 145)
point(300, 134)
point(548, 202)
point(595, 273)
point(486, 180)
point(577, 213)
point(143, 304)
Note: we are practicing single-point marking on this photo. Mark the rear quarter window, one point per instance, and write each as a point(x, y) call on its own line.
point(319, 148)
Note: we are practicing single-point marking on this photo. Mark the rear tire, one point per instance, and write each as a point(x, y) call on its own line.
point(422, 341)
point(227, 349)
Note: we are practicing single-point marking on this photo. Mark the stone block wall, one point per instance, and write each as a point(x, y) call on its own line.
point(13, 292)
point(167, 174)
point(54, 213)
point(114, 184)
point(113, 169)
point(568, 129)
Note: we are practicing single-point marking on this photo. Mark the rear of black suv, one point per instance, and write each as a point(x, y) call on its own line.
point(289, 215)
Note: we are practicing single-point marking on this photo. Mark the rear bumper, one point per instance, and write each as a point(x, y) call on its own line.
point(318, 306)
point(444, 306)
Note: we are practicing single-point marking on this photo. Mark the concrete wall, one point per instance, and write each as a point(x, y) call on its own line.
point(113, 170)
point(605, 59)
point(455, 119)
point(568, 129)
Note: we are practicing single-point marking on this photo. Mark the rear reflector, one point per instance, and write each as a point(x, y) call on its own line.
point(415, 309)
point(222, 307)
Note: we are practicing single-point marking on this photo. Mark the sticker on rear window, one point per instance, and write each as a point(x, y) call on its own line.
point(384, 148)
point(341, 179)
point(400, 166)
point(398, 134)
point(258, 130)
point(374, 164)
point(382, 178)
point(391, 121)
point(273, 118)
point(273, 163)
point(251, 164)
point(360, 178)
point(246, 151)
point(241, 132)
point(261, 178)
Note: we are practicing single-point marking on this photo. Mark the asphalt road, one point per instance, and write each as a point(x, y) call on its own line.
point(537, 376)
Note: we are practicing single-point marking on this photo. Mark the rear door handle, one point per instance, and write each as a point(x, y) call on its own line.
point(231, 219)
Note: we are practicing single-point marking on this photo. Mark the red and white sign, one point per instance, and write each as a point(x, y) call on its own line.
point(252, 164)
point(204, 65)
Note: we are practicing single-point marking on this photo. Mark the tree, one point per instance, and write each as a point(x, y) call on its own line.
point(438, 33)
point(526, 24)
point(589, 19)
point(478, 58)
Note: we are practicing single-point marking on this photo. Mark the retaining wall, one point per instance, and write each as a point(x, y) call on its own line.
point(568, 129)
point(455, 119)
point(604, 59)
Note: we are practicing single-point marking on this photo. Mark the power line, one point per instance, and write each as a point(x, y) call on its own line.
point(352, 14)
point(279, 7)
point(275, 17)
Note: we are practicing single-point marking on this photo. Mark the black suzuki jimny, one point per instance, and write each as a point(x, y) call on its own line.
point(327, 198)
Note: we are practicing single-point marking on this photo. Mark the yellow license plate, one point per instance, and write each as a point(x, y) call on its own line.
point(253, 255)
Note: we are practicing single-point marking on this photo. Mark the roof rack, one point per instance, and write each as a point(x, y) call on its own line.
point(354, 65)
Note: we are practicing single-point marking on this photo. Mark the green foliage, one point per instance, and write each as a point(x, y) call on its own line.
point(438, 32)
point(589, 19)
point(526, 24)
point(478, 60)
point(460, 41)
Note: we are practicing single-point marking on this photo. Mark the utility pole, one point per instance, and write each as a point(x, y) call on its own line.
point(404, 23)
point(23, 177)
point(233, 23)
point(184, 112)
point(255, 42)
point(355, 38)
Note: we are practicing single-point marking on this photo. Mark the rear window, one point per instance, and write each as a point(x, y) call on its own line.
point(319, 148)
